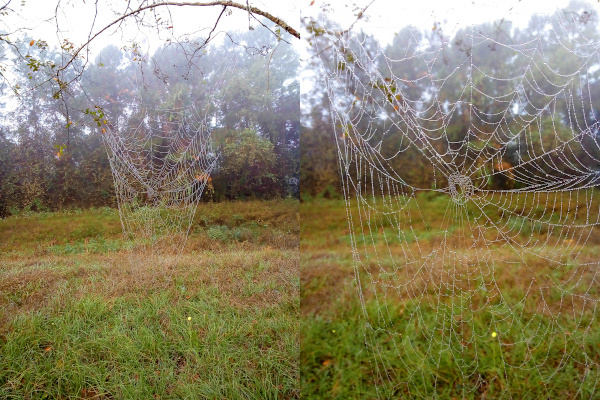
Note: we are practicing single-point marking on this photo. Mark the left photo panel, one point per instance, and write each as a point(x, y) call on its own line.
point(149, 200)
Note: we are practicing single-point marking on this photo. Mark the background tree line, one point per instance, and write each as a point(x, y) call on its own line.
point(51, 150)
point(546, 93)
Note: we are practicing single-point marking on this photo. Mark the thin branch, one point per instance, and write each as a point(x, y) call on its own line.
point(226, 3)
point(269, 65)
point(360, 15)
point(214, 27)
point(6, 5)
point(270, 30)
point(248, 7)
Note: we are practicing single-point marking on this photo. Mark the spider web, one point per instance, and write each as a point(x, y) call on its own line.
point(161, 160)
point(160, 166)
point(475, 249)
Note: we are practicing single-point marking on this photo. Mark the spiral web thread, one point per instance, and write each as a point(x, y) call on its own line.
point(160, 169)
point(503, 284)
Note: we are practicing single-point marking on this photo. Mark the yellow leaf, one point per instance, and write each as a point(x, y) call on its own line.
point(32, 42)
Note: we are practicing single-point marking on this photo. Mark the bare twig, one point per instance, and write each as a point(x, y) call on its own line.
point(5, 5)
point(269, 66)
point(270, 30)
point(226, 3)
point(359, 16)
point(214, 27)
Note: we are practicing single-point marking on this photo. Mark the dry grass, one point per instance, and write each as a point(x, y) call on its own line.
point(244, 286)
point(26, 284)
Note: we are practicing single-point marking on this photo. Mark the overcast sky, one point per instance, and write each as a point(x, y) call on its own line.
point(385, 17)
point(75, 17)
point(76, 20)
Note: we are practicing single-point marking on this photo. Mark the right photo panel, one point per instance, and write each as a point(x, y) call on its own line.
point(450, 202)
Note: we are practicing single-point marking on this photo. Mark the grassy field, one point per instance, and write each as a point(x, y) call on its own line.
point(337, 349)
point(78, 322)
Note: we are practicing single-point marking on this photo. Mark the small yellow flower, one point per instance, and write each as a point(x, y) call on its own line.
point(333, 331)
point(189, 318)
point(494, 334)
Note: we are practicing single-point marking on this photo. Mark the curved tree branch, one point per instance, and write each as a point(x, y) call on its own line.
point(225, 3)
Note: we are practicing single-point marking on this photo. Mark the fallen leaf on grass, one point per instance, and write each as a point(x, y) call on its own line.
point(88, 393)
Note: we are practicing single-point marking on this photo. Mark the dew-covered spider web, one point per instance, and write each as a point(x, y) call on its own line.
point(161, 155)
point(161, 164)
point(470, 166)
